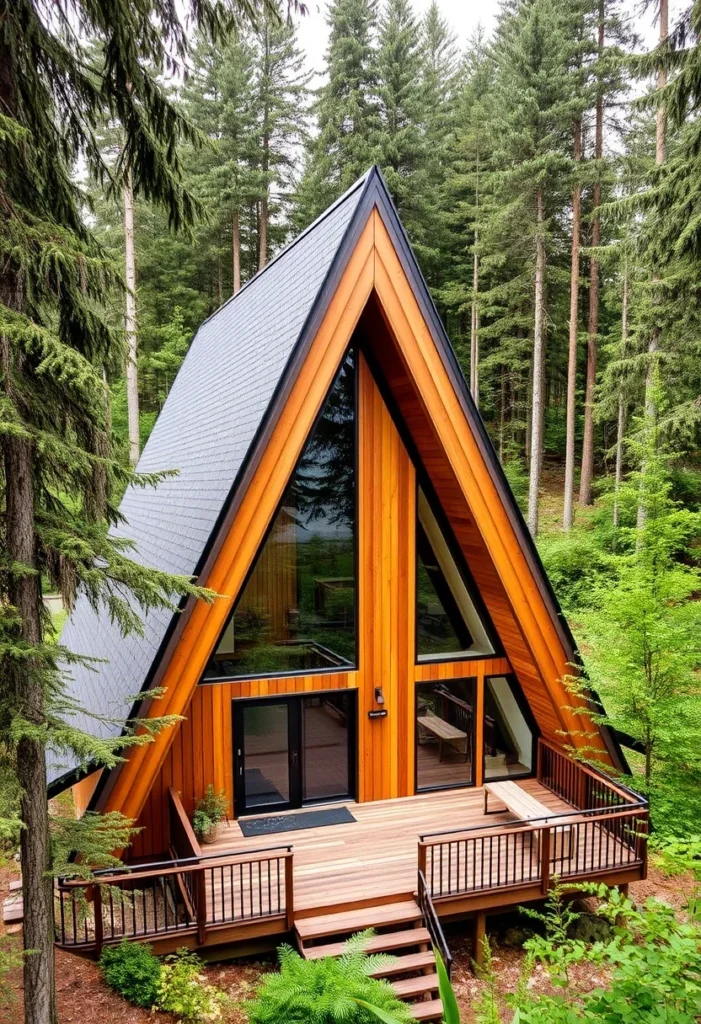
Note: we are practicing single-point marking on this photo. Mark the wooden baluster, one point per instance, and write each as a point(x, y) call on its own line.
point(289, 890)
point(97, 910)
point(545, 835)
point(422, 858)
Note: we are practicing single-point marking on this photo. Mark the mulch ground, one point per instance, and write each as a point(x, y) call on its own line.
point(83, 997)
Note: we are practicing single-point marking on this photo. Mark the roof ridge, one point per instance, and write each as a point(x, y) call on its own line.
point(293, 241)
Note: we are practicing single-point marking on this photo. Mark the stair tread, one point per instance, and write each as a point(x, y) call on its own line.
point(418, 986)
point(378, 944)
point(357, 920)
point(409, 962)
point(429, 1010)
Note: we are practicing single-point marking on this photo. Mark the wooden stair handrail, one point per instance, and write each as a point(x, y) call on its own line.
point(178, 818)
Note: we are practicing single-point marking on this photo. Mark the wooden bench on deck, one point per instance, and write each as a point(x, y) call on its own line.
point(528, 809)
point(444, 733)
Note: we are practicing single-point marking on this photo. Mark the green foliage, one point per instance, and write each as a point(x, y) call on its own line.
point(328, 990)
point(451, 1011)
point(556, 948)
point(577, 567)
point(654, 965)
point(11, 957)
point(209, 811)
point(133, 971)
point(183, 992)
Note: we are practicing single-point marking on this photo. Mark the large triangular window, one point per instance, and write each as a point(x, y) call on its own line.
point(296, 613)
point(448, 623)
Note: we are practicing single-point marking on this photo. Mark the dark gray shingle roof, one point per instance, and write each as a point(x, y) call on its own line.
point(208, 423)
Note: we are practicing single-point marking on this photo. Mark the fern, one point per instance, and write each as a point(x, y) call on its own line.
point(329, 990)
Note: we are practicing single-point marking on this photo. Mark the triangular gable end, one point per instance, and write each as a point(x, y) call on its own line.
point(377, 284)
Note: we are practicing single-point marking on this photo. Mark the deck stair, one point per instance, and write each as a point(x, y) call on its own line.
point(399, 931)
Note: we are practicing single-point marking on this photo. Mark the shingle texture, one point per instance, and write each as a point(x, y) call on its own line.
point(217, 403)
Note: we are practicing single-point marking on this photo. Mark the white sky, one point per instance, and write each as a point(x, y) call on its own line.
point(463, 16)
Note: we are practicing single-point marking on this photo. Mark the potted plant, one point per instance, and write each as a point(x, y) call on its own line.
point(209, 811)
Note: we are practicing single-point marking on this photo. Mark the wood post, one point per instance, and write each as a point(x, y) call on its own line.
point(289, 890)
point(479, 930)
point(422, 858)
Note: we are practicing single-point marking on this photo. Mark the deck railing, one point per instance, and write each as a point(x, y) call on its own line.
point(604, 834)
point(432, 922)
point(188, 896)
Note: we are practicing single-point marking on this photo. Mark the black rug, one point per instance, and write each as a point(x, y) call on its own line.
point(293, 822)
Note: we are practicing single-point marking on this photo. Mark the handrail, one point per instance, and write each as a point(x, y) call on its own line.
point(181, 897)
point(136, 870)
point(180, 823)
point(615, 810)
point(593, 770)
point(432, 922)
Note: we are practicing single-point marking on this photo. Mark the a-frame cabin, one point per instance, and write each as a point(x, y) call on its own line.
point(385, 649)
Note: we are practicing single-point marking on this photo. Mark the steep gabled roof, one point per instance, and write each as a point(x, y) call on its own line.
point(214, 412)
point(213, 429)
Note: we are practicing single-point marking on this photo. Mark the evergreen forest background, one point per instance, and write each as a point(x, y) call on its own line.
point(548, 178)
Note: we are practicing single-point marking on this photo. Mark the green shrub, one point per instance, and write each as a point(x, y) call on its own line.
point(329, 990)
point(133, 971)
point(576, 566)
point(182, 991)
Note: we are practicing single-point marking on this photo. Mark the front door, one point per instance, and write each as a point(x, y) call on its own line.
point(292, 751)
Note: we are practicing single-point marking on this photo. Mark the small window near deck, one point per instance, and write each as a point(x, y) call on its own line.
point(447, 622)
point(296, 613)
point(508, 738)
point(445, 731)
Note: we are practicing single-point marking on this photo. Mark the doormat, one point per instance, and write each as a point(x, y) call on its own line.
point(293, 822)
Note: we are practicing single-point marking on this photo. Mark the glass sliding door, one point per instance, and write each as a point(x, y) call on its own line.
point(264, 756)
point(292, 751)
point(445, 730)
point(326, 729)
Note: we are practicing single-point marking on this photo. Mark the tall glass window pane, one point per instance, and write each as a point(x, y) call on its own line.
point(508, 738)
point(326, 727)
point(445, 729)
point(297, 611)
point(447, 622)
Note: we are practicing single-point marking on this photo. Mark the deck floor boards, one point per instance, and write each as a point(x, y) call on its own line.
point(375, 856)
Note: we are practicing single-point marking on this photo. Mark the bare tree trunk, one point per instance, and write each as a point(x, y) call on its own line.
point(538, 408)
point(660, 157)
point(262, 233)
point(236, 250)
point(568, 511)
point(587, 473)
point(132, 372)
point(502, 415)
point(621, 425)
point(24, 591)
point(475, 324)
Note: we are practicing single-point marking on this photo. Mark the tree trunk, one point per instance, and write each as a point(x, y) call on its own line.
point(132, 372)
point(475, 323)
point(660, 157)
point(262, 233)
point(236, 251)
point(621, 425)
point(587, 473)
point(538, 408)
point(568, 512)
point(502, 415)
point(24, 590)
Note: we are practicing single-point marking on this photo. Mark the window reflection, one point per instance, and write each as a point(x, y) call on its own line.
point(297, 611)
point(447, 622)
point(508, 738)
point(445, 729)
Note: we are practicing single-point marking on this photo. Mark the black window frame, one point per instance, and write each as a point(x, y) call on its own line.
point(295, 720)
point(527, 712)
point(445, 682)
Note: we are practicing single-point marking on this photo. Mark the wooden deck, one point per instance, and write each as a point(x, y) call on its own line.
point(375, 856)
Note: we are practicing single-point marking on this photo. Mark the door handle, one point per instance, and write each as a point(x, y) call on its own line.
point(293, 758)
